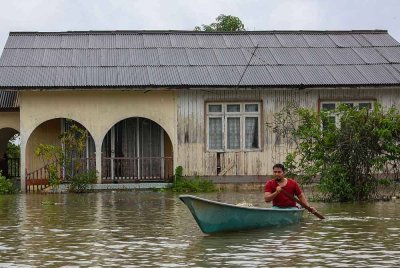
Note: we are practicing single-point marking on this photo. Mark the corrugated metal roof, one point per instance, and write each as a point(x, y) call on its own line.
point(370, 55)
point(203, 56)
point(316, 75)
point(361, 40)
point(184, 41)
point(240, 40)
point(292, 40)
point(314, 40)
point(255, 76)
point(316, 56)
point(194, 75)
point(173, 56)
point(164, 76)
point(344, 40)
point(347, 75)
point(211, 41)
point(9, 100)
point(265, 40)
point(392, 54)
point(160, 40)
point(230, 56)
point(129, 41)
point(186, 58)
point(286, 75)
point(262, 56)
point(383, 40)
point(287, 56)
point(377, 74)
point(344, 56)
point(224, 75)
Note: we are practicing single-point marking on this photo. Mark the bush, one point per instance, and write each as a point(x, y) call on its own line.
point(348, 155)
point(80, 182)
point(6, 186)
point(70, 156)
point(191, 185)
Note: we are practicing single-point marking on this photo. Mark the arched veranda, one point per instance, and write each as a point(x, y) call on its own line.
point(136, 149)
point(49, 133)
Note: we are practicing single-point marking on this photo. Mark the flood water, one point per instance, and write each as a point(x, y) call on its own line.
point(152, 229)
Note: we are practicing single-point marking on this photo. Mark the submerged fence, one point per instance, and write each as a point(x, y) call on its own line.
point(114, 170)
point(136, 169)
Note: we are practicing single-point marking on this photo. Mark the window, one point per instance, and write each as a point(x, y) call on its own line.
point(332, 105)
point(233, 126)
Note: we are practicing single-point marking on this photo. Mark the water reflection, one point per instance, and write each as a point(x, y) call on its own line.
point(147, 229)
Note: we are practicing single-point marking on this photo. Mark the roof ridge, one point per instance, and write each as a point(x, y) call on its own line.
point(95, 32)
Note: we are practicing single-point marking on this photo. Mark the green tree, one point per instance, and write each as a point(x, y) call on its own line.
point(350, 156)
point(223, 23)
point(13, 147)
point(71, 155)
point(6, 186)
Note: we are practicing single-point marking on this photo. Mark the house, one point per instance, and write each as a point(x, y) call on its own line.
point(155, 100)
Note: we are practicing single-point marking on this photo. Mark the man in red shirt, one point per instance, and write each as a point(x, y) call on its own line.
point(274, 187)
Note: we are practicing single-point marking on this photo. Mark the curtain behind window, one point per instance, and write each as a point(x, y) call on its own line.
point(251, 132)
point(233, 135)
point(215, 133)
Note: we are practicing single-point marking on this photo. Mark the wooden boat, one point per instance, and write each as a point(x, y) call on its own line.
point(214, 217)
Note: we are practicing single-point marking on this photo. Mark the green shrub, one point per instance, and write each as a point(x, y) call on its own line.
point(346, 155)
point(69, 155)
point(6, 186)
point(178, 173)
point(191, 185)
point(80, 182)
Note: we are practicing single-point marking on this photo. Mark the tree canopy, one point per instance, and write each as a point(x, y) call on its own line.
point(351, 157)
point(223, 23)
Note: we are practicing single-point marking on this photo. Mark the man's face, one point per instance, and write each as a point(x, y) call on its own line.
point(278, 173)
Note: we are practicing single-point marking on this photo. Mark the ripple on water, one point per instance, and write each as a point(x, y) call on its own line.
point(148, 229)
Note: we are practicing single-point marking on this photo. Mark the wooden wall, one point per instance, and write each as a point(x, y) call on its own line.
point(192, 153)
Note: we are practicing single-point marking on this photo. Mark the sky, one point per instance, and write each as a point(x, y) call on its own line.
point(75, 15)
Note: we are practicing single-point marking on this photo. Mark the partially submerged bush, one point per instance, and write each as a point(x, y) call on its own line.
point(348, 155)
point(191, 185)
point(7, 186)
point(81, 181)
point(71, 156)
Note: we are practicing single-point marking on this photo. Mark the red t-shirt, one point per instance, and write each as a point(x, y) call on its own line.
point(281, 200)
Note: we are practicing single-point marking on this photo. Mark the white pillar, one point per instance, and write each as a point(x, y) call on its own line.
point(23, 162)
point(98, 160)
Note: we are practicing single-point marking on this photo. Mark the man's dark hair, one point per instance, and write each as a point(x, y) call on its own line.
point(279, 166)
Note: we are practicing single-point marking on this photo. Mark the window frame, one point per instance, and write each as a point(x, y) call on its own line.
point(242, 115)
point(354, 102)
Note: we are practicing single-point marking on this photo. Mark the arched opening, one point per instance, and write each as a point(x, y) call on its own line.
point(136, 149)
point(10, 153)
point(50, 133)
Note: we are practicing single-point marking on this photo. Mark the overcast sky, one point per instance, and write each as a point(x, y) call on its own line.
point(82, 15)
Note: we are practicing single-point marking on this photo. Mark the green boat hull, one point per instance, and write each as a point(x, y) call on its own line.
point(215, 217)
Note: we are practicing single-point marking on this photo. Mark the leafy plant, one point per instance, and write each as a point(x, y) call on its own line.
point(6, 186)
point(13, 147)
point(191, 185)
point(71, 155)
point(81, 181)
point(348, 156)
point(223, 23)
point(51, 156)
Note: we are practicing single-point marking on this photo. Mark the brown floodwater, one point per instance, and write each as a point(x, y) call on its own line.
point(152, 229)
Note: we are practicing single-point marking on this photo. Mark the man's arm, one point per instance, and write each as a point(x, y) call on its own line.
point(302, 198)
point(268, 196)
